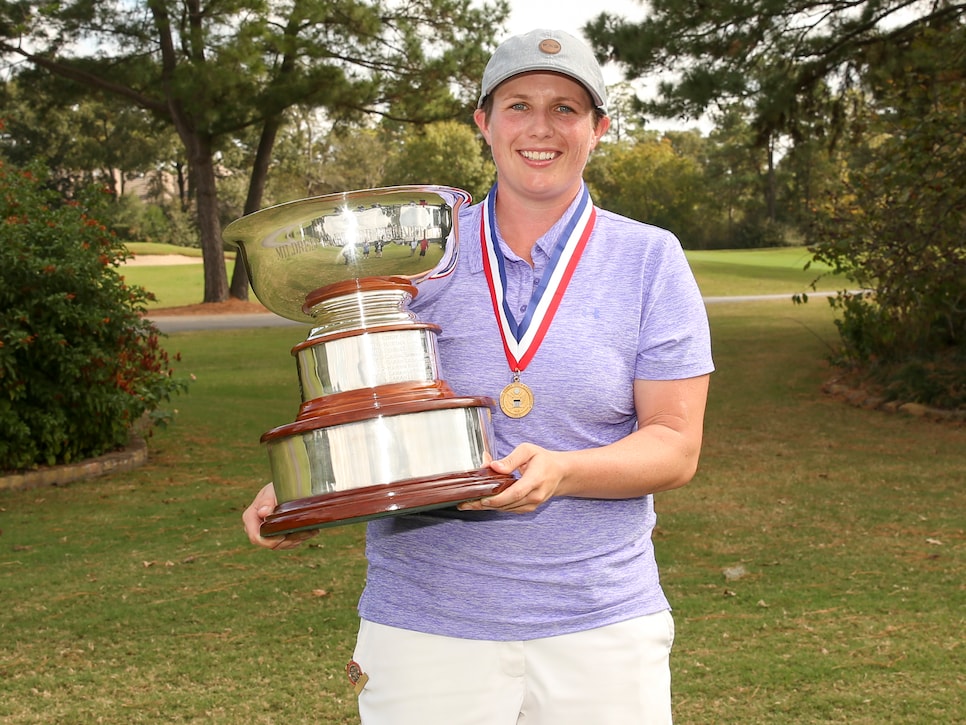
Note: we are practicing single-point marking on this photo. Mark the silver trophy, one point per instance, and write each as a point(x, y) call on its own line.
point(378, 433)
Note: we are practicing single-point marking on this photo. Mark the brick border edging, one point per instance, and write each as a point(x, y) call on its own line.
point(861, 399)
point(134, 454)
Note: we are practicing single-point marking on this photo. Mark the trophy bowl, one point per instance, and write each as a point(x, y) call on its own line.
point(378, 433)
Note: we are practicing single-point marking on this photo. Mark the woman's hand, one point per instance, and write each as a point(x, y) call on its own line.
point(541, 473)
point(263, 505)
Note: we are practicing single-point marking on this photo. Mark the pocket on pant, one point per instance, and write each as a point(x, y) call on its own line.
point(670, 628)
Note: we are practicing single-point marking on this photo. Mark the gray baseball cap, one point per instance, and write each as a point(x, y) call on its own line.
point(545, 50)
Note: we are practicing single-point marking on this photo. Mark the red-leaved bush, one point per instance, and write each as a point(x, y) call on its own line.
point(79, 365)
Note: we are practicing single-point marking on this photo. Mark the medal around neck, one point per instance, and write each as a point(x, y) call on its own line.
point(377, 433)
point(516, 399)
point(522, 338)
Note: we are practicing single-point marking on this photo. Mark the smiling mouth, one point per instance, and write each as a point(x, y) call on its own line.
point(539, 155)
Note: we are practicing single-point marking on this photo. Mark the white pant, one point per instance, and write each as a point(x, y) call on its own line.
point(614, 675)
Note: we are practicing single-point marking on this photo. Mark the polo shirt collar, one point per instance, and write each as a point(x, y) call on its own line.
point(544, 246)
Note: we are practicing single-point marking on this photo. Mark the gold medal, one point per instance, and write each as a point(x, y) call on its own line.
point(516, 400)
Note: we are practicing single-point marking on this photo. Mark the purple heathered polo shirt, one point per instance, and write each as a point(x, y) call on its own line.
point(632, 310)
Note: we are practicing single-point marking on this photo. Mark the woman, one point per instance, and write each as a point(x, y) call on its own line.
point(542, 604)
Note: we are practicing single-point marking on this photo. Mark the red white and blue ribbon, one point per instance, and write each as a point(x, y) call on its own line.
point(522, 338)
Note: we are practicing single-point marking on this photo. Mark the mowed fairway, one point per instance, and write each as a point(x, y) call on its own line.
point(815, 564)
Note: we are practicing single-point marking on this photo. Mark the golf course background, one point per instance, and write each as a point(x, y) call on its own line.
point(815, 564)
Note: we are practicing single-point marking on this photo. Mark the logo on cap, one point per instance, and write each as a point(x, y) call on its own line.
point(549, 46)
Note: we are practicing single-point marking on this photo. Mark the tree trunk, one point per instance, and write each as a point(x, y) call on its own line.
point(202, 167)
point(253, 202)
point(771, 192)
point(239, 280)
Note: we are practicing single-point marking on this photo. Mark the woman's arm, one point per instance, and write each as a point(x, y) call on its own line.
point(660, 455)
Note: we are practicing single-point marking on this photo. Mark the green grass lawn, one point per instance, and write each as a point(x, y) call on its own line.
point(719, 273)
point(815, 564)
point(172, 286)
point(758, 271)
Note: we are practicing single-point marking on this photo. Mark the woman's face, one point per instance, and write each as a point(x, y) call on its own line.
point(541, 130)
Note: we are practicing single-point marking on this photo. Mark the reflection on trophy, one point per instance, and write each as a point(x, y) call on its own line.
point(377, 433)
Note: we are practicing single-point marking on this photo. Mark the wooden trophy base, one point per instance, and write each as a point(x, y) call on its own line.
point(378, 501)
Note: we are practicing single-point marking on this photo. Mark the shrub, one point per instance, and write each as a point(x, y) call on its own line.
point(78, 363)
point(133, 220)
point(895, 228)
